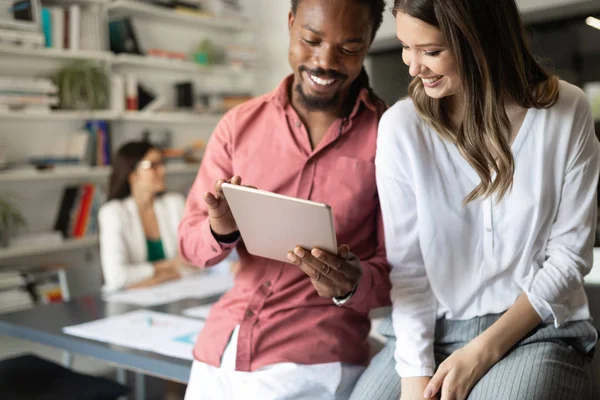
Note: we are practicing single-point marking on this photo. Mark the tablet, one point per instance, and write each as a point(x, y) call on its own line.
point(271, 224)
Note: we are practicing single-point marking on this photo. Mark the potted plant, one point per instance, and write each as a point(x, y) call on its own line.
point(83, 85)
point(10, 220)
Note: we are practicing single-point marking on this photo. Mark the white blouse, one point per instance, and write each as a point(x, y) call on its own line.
point(460, 262)
point(123, 246)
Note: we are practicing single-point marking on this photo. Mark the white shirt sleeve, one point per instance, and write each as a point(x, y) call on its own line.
point(414, 305)
point(117, 269)
point(569, 250)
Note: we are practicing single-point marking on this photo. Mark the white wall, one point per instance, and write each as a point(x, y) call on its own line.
point(537, 5)
point(272, 40)
point(386, 37)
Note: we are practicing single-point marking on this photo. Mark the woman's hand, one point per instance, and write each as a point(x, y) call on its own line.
point(413, 388)
point(170, 265)
point(459, 373)
point(158, 278)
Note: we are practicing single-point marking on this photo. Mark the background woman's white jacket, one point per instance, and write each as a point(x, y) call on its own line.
point(123, 248)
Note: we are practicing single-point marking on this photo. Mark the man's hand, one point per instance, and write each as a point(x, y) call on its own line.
point(460, 372)
point(331, 275)
point(413, 387)
point(220, 217)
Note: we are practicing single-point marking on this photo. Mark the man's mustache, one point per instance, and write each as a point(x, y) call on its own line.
point(322, 73)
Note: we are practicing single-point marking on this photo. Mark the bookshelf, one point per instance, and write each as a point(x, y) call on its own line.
point(26, 133)
point(9, 253)
point(127, 8)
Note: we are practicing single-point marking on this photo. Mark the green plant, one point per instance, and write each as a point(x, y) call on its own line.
point(10, 219)
point(82, 85)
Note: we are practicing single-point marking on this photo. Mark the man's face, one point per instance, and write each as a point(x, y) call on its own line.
point(329, 40)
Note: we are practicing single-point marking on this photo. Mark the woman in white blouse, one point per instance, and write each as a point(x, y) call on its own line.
point(138, 224)
point(487, 176)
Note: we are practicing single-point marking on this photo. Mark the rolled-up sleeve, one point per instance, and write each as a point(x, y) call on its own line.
point(195, 239)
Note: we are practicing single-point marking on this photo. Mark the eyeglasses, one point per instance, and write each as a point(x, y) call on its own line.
point(147, 164)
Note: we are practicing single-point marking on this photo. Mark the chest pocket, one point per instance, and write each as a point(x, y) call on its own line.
point(348, 185)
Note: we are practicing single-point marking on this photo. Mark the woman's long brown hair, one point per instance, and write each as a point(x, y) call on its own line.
point(488, 42)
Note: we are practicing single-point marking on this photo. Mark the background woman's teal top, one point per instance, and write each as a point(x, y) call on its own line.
point(155, 250)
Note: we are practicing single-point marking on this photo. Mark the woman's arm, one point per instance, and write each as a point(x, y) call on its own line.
point(514, 325)
point(414, 305)
point(158, 278)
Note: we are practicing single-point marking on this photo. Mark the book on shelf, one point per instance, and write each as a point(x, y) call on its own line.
point(77, 215)
point(28, 85)
point(14, 295)
point(24, 99)
point(99, 143)
point(15, 300)
point(123, 37)
point(69, 149)
point(73, 27)
point(23, 38)
point(11, 279)
point(37, 94)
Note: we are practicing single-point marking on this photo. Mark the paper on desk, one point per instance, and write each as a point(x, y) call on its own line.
point(166, 334)
point(191, 287)
point(198, 312)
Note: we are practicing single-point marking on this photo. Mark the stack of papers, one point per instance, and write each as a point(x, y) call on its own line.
point(166, 334)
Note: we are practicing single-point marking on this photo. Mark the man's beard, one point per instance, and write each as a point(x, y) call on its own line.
point(315, 103)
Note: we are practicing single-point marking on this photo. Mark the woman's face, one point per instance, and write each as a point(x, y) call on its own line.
point(425, 52)
point(149, 175)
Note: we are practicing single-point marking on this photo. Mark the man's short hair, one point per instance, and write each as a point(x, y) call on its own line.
point(376, 6)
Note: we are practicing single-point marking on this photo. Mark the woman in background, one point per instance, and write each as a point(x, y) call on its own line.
point(138, 224)
point(487, 176)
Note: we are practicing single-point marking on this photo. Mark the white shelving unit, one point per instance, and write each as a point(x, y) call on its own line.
point(23, 128)
point(191, 19)
point(163, 63)
point(51, 53)
point(58, 116)
point(10, 253)
point(81, 173)
point(30, 61)
point(175, 117)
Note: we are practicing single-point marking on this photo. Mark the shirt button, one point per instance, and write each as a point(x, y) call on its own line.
point(488, 229)
point(214, 249)
point(298, 124)
point(267, 284)
point(249, 314)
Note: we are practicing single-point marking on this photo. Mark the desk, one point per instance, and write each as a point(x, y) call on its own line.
point(43, 324)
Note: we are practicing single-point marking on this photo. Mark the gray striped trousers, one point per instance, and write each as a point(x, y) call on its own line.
point(549, 364)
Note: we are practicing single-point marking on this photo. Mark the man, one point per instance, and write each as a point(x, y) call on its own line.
point(296, 330)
